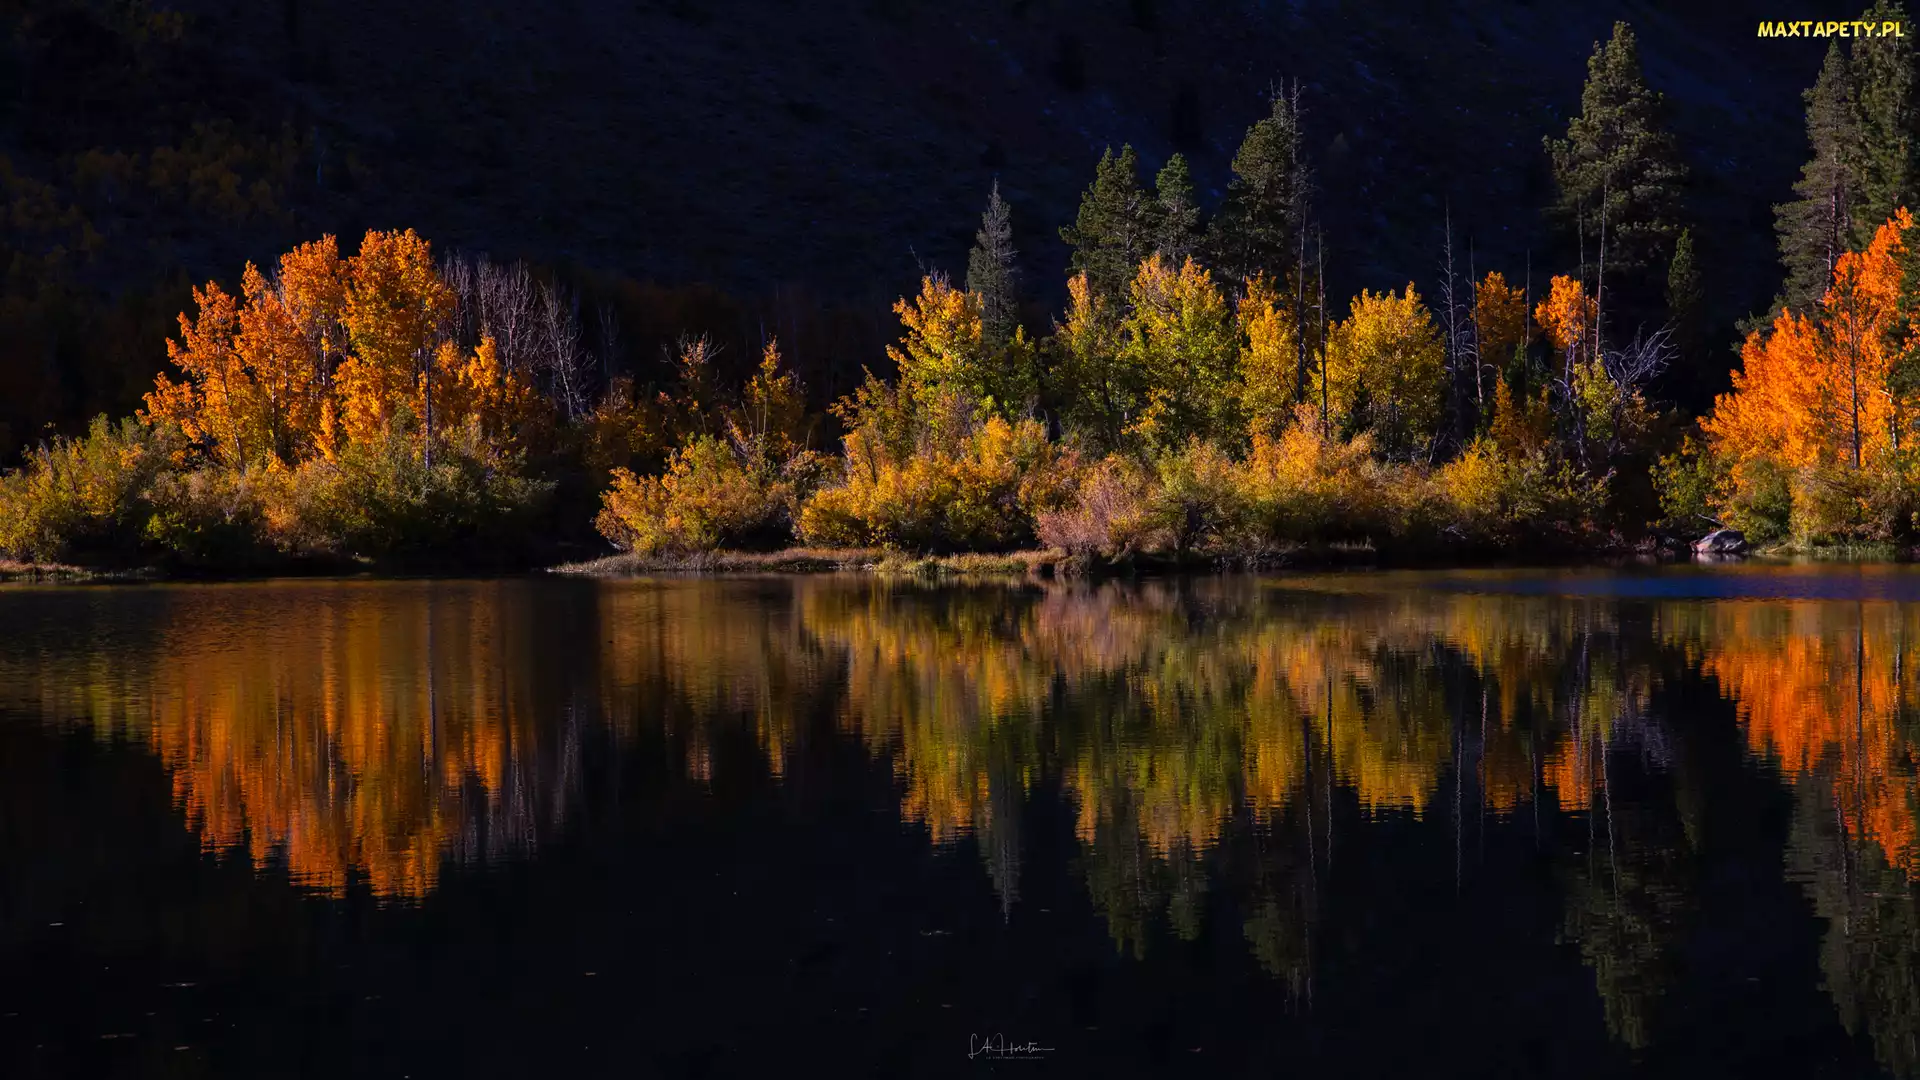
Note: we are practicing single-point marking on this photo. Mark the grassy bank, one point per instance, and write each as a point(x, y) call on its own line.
point(14, 570)
point(1043, 563)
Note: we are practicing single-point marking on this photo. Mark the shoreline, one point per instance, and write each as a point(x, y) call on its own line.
point(1030, 564)
point(1041, 563)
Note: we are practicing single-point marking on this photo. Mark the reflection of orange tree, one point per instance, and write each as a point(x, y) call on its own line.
point(1827, 690)
point(347, 732)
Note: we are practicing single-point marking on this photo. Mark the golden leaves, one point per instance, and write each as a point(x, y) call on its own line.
point(1386, 369)
point(330, 348)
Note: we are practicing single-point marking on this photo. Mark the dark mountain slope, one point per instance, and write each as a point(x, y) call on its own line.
point(835, 144)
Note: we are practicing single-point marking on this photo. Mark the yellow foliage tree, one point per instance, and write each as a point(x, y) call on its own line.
point(1106, 392)
point(507, 409)
point(1386, 370)
point(1269, 358)
point(330, 349)
point(942, 349)
point(1520, 426)
point(1180, 334)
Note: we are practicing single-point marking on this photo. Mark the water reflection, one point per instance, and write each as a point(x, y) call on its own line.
point(338, 732)
point(1230, 751)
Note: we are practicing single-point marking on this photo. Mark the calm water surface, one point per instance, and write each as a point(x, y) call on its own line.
point(1477, 824)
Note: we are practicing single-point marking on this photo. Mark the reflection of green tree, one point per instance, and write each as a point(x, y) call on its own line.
point(1008, 762)
point(1627, 900)
point(1127, 883)
point(1630, 893)
point(1284, 887)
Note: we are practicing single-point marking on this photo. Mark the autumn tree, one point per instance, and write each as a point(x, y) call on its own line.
point(1260, 224)
point(1617, 164)
point(1819, 401)
point(1856, 312)
point(257, 368)
point(1114, 228)
point(993, 274)
point(1500, 331)
point(327, 351)
point(1181, 333)
point(1567, 318)
point(396, 308)
point(943, 353)
point(1105, 391)
point(1386, 370)
point(1269, 345)
point(769, 421)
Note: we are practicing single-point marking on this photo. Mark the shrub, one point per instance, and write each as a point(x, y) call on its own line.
point(981, 496)
point(1756, 497)
point(212, 517)
point(1196, 497)
point(1893, 498)
point(1308, 486)
point(1828, 505)
point(707, 498)
point(1108, 514)
point(76, 498)
point(1488, 496)
point(1686, 481)
point(381, 497)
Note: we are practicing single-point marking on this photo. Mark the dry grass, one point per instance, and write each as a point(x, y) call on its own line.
point(823, 560)
point(14, 570)
point(789, 561)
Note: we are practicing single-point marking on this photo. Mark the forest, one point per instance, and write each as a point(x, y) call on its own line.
point(1199, 398)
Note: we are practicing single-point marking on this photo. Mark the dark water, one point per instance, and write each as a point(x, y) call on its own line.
point(1574, 824)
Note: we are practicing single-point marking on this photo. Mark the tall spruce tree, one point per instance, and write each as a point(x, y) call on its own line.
point(1262, 219)
point(1685, 298)
point(1114, 230)
point(1817, 227)
point(1176, 214)
point(993, 274)
point(1883, 91)
point(1617, 153)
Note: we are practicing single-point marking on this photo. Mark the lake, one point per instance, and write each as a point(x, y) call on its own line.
point(1556, 823)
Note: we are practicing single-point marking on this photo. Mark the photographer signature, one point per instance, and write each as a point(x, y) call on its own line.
point(997, 1046)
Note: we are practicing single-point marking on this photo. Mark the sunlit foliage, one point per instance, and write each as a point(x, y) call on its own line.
point(1385, 366)
point(1814, 439)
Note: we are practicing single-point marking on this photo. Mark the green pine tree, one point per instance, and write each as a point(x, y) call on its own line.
point(1617, 163)
point(1114, 229)
point(1902, 346)
point(1882, 77)
point(1176, 214)
point(993, 274)
point(1815, 228)
point(1685, 296)
point(1260, 223)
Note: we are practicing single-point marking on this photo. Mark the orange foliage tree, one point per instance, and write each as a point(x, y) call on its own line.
point(1816, 406)
point(1567, 316)
point(327, 351)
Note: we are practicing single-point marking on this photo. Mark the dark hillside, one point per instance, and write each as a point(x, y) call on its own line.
point(831, 146)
